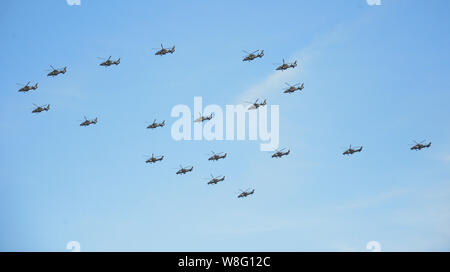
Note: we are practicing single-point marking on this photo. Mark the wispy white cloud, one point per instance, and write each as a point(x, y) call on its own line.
point(373, 2)
point(374, 200)
point(73, 2)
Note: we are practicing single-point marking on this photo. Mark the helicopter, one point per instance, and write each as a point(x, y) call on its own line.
point(153, 159)
point(286, 66)
point(419, 146)
point(252, 56)
point(293, 88)
point(155, 125)
point(246, 193)
point(280, 153)
point(56, 72)
point(164, 51)
point(350, 150)
point(87, 122)
point(256, 105)
point(184, 170)
point(39, 109)
point(203, 118)
point(27, 87)
point(109, 62)
point(216, 157)
point(215, 180)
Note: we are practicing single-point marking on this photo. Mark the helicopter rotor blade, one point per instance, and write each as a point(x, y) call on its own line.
point(246, 52)
point(255, 51)
point(288, 84)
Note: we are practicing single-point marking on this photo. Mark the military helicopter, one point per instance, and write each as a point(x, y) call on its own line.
point(184, 170)
point(39, 109)
point(87, 122)
point(216, 157)
point(419, 146)
point(154, 159)
point(215, 180)
point(109, 62)
point(286, 66)
point(280, 153)
point(203, 118)
point(350, 150)
point(27, 87)
point(256, 105)
point(246, 193)
point(252, 56)
point(293, 88)
point(155, 125)
point(56, 72)
point(164, 51)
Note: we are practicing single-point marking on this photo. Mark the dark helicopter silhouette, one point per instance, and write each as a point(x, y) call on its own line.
point(280, 153)
point(215, 180)
point(154, 159)
point(87, 122)
point(351, 150)
point(203, 118)
point(216, 157)
point(55, 72)
point(419, 146)
point(286, 66)
point(110, 62)
point(246, 193)
point(184, 170)
point(164, 51)
point(155, 124)
point(293, 88)
point(27, 87)
point(39, 109)
point(256, 105)
point(252, 56)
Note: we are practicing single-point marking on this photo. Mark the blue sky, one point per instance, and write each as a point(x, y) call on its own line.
point(376, 76)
